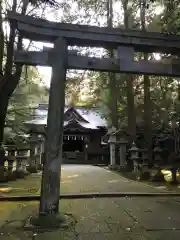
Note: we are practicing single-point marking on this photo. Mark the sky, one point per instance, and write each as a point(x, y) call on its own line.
point(45, 72)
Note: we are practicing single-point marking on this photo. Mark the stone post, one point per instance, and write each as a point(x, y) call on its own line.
point(22, 162)
point(41, 142)
point(112, 143)
point(122, 153)
point(2, 162)
point(18, 164)
point(2, 159)
point(144, 159)
point(39, 151)
point(24, 157)
point(11, 158)
point(33, 140)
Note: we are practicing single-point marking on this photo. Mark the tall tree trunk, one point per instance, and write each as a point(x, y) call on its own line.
point(147, 95)
point(131, 110)
point(3, 111)
point(112, 77)
point(148, 118)
point(130, 90)
point(5, 93)
point(8, 81)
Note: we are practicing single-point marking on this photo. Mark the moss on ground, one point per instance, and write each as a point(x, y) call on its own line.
point(16, 215)
point(164, 184)
point(27, 186)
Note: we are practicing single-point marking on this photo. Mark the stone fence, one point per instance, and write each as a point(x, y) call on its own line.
point(20, 161)
point(135, 160)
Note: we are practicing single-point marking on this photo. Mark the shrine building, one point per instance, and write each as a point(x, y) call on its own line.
point(83, 132)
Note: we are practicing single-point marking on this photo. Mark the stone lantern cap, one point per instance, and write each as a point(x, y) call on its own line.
point(111, 131)
point(117, 134)
point(134, 148)
point(157, 149)
point(112, 135)
point(40, 138)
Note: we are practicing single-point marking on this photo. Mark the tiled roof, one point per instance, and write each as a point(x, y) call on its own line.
point(92, 116)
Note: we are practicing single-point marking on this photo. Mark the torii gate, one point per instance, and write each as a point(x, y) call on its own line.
point(126, 42)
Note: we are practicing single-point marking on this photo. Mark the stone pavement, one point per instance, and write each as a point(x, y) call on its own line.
point(109, 219)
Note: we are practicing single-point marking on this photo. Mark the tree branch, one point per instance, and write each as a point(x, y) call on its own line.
point(10, 46)
point(1, 41)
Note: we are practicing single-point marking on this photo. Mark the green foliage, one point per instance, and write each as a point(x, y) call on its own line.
point(25, 98)
point(165, 94)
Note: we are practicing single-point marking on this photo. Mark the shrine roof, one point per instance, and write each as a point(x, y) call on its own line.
point(87, 118)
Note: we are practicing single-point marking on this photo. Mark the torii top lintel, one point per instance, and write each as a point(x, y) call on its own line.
point(84, 35)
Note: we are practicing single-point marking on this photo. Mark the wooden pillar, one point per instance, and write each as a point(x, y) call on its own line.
point(50, 188)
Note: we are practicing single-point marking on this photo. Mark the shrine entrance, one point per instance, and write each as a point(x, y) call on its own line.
point(125, 43)
point(72, 144)
point(73, 149)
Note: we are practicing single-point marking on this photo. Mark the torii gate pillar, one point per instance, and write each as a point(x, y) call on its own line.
point(50, 188)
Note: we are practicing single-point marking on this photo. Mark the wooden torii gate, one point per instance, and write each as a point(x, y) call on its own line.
point(60, 59)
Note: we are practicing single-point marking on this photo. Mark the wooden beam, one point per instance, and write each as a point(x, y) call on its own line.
point(83, 35)
point(102, 65)
point(155, 68)
point(74, 62)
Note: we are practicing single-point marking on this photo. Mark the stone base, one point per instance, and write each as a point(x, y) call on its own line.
point(156, 175)
point(122, 169)
point(47, 222)
point(140, 175)
point(113, 167)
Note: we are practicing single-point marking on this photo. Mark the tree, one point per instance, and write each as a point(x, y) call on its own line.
point(147, 98)
point(131, 117)
point(112, 76)
point(10, 73)
point(27, 95)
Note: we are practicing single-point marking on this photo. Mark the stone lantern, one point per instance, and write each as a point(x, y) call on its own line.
point(156, 174)
point(134, 156)
point(157, 155)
